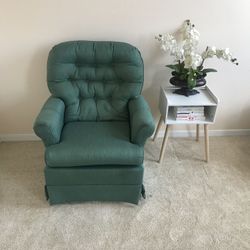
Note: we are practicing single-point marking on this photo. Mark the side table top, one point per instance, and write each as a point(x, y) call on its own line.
point(205, 98)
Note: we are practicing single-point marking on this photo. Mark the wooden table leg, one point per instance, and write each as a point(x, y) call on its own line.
point(206, 141)
point(158, 128)
point(164, 144)
point(197, 132)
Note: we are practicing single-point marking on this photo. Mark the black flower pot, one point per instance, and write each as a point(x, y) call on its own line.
point(184, 89)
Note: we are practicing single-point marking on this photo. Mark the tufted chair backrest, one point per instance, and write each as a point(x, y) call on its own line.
point(95, 79)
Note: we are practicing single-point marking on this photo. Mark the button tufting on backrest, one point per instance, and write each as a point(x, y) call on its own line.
point(95, 79)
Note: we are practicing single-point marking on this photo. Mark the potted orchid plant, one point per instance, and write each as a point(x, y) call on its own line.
point(188, 71)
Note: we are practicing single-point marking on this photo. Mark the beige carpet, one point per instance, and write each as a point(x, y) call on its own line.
point(190, 204)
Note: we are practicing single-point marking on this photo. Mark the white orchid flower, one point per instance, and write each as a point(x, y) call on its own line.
point(189, 47)
point(209, 52)
point(188, 61)
point(197, 59)
point(168, 42)
point(190, 34)
point(186, 50)
point(163, 47)
point(224, 54)
point(178, 53)
point(192, 60)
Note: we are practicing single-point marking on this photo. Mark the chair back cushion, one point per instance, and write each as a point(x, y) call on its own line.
point(95, 79)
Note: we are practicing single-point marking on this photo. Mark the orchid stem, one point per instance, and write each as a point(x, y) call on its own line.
point(203, 60)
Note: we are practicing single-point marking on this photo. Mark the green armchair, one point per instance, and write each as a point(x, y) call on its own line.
point(95, 124)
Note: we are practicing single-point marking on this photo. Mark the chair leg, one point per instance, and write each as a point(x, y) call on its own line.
point(46, 192)
point(143, 192)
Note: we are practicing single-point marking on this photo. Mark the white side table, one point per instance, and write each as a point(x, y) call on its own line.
point(167, 103)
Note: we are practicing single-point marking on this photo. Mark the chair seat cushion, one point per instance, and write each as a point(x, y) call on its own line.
point(94, 143)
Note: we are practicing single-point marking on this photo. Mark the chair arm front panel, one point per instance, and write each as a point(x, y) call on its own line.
point(141, 120)
point(49, 123)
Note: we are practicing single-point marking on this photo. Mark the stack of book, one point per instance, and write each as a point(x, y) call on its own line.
point(189, 113)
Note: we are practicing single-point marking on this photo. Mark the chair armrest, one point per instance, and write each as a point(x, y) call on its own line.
point(48, 124)
point(141, 121)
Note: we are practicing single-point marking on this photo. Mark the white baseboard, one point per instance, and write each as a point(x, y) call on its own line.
point(173, 133)
point(18, 137)
point(188, 133)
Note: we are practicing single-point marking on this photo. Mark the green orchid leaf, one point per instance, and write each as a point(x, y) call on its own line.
point(185, 71)
point(183, 77)
point(171, 66)
point(175, 67)
point(182, 66)
point(205, 71)
point(191, 79)
point(200, 73)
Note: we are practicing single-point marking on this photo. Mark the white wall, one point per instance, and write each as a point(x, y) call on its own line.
point(30, 28)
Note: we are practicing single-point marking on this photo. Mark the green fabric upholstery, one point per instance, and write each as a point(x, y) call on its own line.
point(79, 193)
point(99, 175)
point(95, 79)
point(141, 120)
point(103, 183)
point(49, 123)
point(94, 143)
point(95, 124)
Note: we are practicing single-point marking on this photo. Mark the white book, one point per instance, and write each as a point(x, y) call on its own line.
point(191, 118)
point(190, 113)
